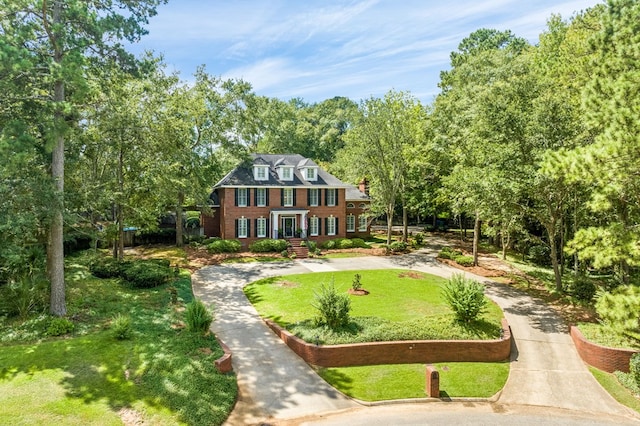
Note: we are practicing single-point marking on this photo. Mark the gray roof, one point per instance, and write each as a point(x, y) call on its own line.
point(354, 194)
point(242, 175)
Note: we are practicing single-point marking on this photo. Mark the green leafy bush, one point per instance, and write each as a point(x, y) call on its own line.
point(449, 253)
point(284, 253)
point(333, 307)
point(59, 326)
point(360, 243)
point(121, 328)
point(145, 273)
point(583, 288)
point(105, 267)
point(210, 240)
point(634, 368)
point(268, 245)
point(419, 238)
point(344, 243)
point(312, 246)
point(224, 246)
point(356, 284)
point(23, 296)
point(398, 246)
point(198, 317)
point(540, 255)
point(464, 260)
point(465, 296)
point(329, 245)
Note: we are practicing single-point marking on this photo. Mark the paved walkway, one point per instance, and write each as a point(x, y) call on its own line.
point(275, 384)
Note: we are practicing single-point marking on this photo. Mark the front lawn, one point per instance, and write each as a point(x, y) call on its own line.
point(386, 382)
point(162, 375)
point(402, 305)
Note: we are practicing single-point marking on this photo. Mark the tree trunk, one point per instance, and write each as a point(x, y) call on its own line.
point(476, 239)
point(405, 224)
point(119, 212)
point(389, 224)
point(505, 237)
point(179, 237)
point(55, 243)
point(554, 262)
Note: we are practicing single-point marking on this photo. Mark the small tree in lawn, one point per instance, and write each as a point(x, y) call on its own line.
point(333, 307)
point(465, 296)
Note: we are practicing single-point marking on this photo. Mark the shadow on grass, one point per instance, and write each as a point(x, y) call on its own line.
point(337, 379)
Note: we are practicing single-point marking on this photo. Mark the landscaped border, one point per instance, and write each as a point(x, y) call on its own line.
point(601, 357)
point(401, 352)
point(224, 363)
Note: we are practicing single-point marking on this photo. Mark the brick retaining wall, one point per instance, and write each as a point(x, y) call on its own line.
point(601, 357)
point(402, 352)
point(223, 364)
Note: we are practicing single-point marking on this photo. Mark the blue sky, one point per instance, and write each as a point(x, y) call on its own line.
point(315, 49)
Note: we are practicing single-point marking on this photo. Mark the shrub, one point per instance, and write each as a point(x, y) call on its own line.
point(398, 246)
point(105, 267)
point(284, 253)
point(224, 246)
point(312, 246)
point(465, 296)
point(268, 245)
point(419, 238)
point(356, 284)
point(23, 296)
point(344, 243)
point(449, 253)
point(583, 288)
point(333, 307)
point(145, 273)
point(198, 317)
point(634, 368)
point(540, 255)
point(121, 327)
point(464, 260)
point(329, 245)
point(210, 240)
point(360, 243)
point(59, 326)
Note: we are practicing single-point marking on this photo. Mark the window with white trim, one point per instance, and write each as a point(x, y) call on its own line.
point(331, 225)
point(313, 197)
point(287, 199)
point(351, 206)
point(242, 197)
point(286, 173)
point(243, 227)
point(314, 225)
point(261, 197)
point(362, 205)
point(260, 172)
point(331, 197)
point(351, 223)
point(261, 227)
point(362, 223)
point(311, 174)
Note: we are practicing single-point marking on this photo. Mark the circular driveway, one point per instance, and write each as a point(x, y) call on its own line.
point(548, 382)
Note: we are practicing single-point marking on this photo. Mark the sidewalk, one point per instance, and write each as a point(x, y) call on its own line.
point(275, 384)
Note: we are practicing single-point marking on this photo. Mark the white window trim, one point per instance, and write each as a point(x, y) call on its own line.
point(314, 226)
point(281, 173)
point(362, 225)
point(258, 169)
point(287, 200)
point(312, 202)
point(351, 206)
point(261, 201)
point(331, 200)
point(331, 225)
point(351, 223)
point(242, 227)
point(243, 196)
point(362, 206)
point(313, 177)
point(261, 231)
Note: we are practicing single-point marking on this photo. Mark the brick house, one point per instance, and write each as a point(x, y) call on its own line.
point(285, 196)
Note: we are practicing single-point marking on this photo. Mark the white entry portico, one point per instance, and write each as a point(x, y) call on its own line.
point(286, 223)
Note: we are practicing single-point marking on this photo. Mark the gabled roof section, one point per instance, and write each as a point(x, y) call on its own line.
point(242, 175)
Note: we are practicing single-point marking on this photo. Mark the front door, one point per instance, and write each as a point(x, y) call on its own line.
point(288, 226)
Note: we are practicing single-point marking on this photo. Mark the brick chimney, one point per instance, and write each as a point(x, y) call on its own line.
point(363, 186)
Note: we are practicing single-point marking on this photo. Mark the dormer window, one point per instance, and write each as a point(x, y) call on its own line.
point(286, 172)
point(260, 172)
point(311, 174)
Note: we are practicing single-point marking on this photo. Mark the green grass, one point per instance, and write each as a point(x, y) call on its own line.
point(162, 375)
point(615, 389)
point(386, 382)
point(402, 305)
point(343, 255)
point(598, 333)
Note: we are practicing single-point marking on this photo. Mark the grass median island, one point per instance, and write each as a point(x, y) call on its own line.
point(401, 305)
point(386, 382)
point(163, 374)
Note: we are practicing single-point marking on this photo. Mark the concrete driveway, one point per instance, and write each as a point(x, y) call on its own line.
point(276, 386)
